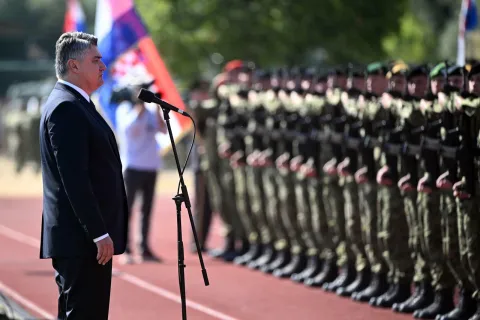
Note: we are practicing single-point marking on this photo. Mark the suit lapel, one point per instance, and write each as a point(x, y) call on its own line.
point(91, 109)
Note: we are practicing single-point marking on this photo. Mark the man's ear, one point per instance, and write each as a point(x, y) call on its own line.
point(73, 66)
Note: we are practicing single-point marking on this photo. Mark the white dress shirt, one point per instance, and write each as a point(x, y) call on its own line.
point(85, 95)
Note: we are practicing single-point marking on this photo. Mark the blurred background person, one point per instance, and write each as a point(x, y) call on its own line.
point(198, 103)
point(137, 127)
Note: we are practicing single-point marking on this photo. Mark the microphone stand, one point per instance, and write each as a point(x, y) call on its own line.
point(179, 199)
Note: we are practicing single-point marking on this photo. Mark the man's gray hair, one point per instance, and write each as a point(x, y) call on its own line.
point(71, 45)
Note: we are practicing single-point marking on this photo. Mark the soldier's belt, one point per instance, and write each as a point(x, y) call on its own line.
point(354, 143)
point(413, 149)
point(336, 138)
point(276, 134)
point(373, 142)
point(449, 152)
point(432, 144)
point(240, 131)
point(393, 148)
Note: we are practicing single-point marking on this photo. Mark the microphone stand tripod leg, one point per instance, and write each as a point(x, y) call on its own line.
point(181, 256)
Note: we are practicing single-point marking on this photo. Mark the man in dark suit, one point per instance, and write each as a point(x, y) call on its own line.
point(84, 202)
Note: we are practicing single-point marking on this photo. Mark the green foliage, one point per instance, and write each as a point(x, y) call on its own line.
point(268, 32)
point(414, 41)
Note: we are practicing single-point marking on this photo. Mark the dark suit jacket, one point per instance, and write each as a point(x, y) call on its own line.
point(83, 189)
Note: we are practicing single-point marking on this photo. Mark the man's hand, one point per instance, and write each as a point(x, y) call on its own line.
point(104, 250)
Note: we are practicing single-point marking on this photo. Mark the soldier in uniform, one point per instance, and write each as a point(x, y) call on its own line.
point(286, 179)
point(277, 255)
point(214, 165)
point(201, 106)
point(337, 83)
point(369, 112)
point(301, 151)
point(466, 189)
point(237, 133)
point(455, 248)
point(394, 231)
point(346, 170)
point(263, 241)
point(318, 183)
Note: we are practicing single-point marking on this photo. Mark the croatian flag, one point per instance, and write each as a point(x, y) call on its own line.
point(468, 21)
point(74, 17)
point(130, 54)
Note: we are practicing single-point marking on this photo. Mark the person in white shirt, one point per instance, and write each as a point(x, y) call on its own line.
point(137, 127)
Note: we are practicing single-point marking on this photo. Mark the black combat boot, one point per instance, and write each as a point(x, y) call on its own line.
point(344, 278)
point(253, 253)
point(282, 259)
point(377, 287)
point(267, 257)
point(442, 304)
point(227, 253)
point(296, 265)
point(465, 309)
point(328, 274)
point(314, 266)
point(400, 293)
point(417, 302)
point(361, 282)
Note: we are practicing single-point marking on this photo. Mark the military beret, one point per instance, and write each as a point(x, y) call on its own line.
point(438, 71)
point(261, 74)
point(417, 71)
point(474, 70)
point(377, 68)
point(397, 68)
point(456, 71)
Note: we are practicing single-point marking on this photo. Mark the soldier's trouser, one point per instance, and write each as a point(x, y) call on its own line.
point(318, 209)
point(286, 193)
point(332, 193)
point(371, 223)
point(249, 223)
point(271, 186)
point(470, 222)
point(416, 239)
point(394, 235)
point(355, 234)
point(228, 203)
point(256, 194)
point(453, 235)
point(214, 185)
point(304, 215)
point(429, 205)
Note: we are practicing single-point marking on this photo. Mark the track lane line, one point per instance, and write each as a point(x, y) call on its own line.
point(30, 241)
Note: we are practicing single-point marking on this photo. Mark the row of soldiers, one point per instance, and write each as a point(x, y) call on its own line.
point(359, 180)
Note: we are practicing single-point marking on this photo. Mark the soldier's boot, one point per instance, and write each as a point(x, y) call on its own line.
point(400, 293)
point(361, 282)
point(397, 307)
point(422, 297)
point(282, 259)
point(465, 309)
point(377, 287)
point(296, 265)
point(345, 277)
point(328, 274)
point(227, 253)
point(267, 256)
point(442, 304)
point(253, 253)
point(476, 315)
point(314, 266)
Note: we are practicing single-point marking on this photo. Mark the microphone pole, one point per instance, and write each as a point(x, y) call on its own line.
point(179, 199)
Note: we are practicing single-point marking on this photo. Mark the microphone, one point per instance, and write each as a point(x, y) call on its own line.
point(150, 97)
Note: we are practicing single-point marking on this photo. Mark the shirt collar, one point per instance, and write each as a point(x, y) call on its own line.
point(79, 90)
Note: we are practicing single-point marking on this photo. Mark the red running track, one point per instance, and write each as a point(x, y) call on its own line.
point(150, 291)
